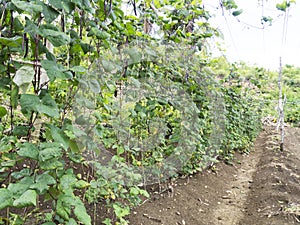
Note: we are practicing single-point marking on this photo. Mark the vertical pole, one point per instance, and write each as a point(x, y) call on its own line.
point(280, 124)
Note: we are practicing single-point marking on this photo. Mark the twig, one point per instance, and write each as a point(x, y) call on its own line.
point(152, 218)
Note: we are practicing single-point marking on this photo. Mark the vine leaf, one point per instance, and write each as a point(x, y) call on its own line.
point(29, 150)
point(28, 198)
point(43, 182)
point(32, 103)
point(57, 38)
point(24, 76)
point(54, 70)
point(11, 42)
point(29, 103)
point(81, 214)
point(5, 198)
point(48, 106)
point(3, 111)
point(50, 13)
point(28, 7)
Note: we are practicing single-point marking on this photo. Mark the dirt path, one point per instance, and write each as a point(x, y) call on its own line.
point(259, 189)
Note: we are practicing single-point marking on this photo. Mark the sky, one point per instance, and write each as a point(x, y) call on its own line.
point(244, 41)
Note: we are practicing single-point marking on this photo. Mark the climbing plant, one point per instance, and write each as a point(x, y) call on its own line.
point(66, 68)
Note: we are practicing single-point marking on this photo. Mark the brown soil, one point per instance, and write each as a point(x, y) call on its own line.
point(261, 188)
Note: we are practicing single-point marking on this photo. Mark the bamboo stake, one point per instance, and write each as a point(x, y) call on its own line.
point(281, 102)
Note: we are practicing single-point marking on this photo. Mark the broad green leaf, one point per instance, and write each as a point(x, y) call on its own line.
point(3, 111)
point(71, 222)
point(121, 211)
point(82, 184)
point(57, 38)
point(28, 6)
point(68, 6)
point(134, 54)
point(54, 70)
point(51, 223)
point(50, 153)
point(68, 181)
point(19, 188)
point(59, 136)
point(78, 69)
point(43, 182)
point(24, 75)
point(29, 150)
point(23, 173)
point(108, 66)
point(56, 3)
point(48, 106)
point(64, 205)
point(107, 221)
point(81, 214)
point(51, 164)
point(31, 28)
point(11, 42)
point(50, 13)
point(28, 198)
point(94, 85)
point(101, 34)
point(29, 103)
point(5, 198)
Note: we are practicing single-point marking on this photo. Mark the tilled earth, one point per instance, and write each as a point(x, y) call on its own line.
point(262, 188)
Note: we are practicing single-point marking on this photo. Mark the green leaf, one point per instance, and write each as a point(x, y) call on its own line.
point(99, 33)
point(68, 181)
point(64, 204)
point(82, 184)
point(28, 6)
point(94, 85)
point(50, 13)
point(32, 103)
point(282, 6)
point(5, 198)
point(29, 150)
point(28, 198)
point(134, 54)
point(48, 106)
point(19, 188)
point(49, 153)
point(11, 42)
point(108, 66)
point(59, 136)
point(3, 111)
point(14, 96)
point(51, 223)
point(107, 221)
point(24, 75)
point(237, 12)
point(57, 38)
point(54, 70)
point(81, 214)
point(56, 3)
point(43, 182)
point(51, 164)
point(120, 211)
point(29, 103)
point(71, 222)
